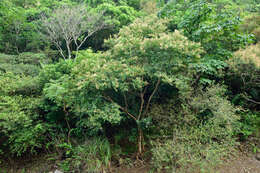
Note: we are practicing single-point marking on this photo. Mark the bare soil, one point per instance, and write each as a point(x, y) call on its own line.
point(242, 164)
point(141, 169)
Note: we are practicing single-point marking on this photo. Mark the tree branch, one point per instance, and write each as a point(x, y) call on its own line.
point(125, 99)
point(120, 107)
point(151, 96)
point(66, 119)
point(68, 24)
point(250, 100)
point(142, 103)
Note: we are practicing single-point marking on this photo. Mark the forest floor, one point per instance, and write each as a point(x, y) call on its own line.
point(241, 163)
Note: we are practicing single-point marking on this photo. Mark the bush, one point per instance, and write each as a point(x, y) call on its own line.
point(186, 152)
point(12, 84)
point(195, 135)
point(20, 125)
point(251, 25)
point(91, 156)
point(249, 125)
point(55, 71)
point(23, 64)
point(244, 76)
point(21, 128)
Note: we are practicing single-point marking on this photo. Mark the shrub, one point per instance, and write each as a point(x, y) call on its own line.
point(20, 125)
point(21, 128)
point(251, 25)
point(249, 125)
point(91, 156)
point(55, 71)
point(149, 6)
point(213, 106)
point(195, 135)
point(244, 76)
point(32, 58)
point(12, 84)
point(23, 64)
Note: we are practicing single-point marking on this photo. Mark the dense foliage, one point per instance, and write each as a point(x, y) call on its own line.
point(97, 84)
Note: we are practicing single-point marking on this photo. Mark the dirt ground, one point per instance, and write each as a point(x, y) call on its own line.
point(240, 164)
point(142, 169)
point(243, 164)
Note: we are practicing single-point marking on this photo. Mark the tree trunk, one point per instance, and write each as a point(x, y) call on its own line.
point(140, 142)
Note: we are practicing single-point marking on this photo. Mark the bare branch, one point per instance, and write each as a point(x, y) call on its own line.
point(72, 25)
point(250, 100)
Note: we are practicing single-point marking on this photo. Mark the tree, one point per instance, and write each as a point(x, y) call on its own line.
point(213, 24)
point(72, 25)
point(125, 80)
point(117, 16)
point(163, 58)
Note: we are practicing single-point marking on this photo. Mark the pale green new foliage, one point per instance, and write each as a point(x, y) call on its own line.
point(161, 54)
point(143, 56)
point(101, 74)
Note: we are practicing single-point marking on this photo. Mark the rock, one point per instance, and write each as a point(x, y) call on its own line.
point(257, 156)
point(57, 171)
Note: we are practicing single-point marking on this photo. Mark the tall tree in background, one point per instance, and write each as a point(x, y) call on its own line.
point(71, 25)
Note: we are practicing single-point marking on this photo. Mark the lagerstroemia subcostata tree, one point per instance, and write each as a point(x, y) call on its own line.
point(125, 80)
